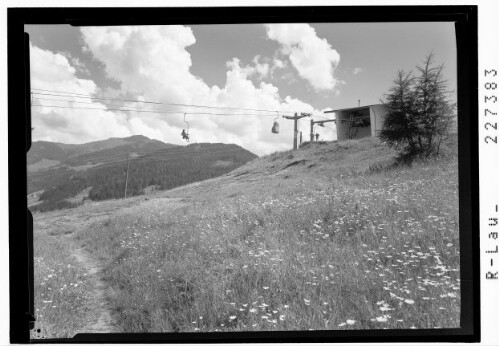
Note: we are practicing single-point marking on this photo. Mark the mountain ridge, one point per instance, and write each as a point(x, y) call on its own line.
point(112, 168)
point(77, 153)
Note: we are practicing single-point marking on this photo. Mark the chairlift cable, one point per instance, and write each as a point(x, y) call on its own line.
point(154, 111)
point(66, 94)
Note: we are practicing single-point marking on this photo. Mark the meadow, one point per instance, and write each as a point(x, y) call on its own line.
point(61, 288)
point(289, 244)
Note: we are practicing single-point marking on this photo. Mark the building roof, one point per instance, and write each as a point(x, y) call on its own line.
point(352, 108)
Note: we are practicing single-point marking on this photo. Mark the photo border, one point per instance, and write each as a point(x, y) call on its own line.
point(19, 140)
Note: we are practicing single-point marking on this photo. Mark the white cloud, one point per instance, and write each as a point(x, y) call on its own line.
point(51, 71)
point(152, 63)
point(76, 63)
point(278, 63)
point(313, 57)
point(262, 69)
point(357, 70)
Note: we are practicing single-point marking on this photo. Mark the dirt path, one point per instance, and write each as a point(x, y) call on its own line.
point(63, 228)
point(100, 317)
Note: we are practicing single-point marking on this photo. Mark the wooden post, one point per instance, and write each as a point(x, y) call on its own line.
point(300, 138)
point(296, 131)
point(311, 130)
point(295, 118)
point(127, 166)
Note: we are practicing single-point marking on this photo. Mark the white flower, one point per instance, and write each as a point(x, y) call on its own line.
point(351, 322)
point(383, 318)
point(385, 308)
point(409, 301)
point(232, 318)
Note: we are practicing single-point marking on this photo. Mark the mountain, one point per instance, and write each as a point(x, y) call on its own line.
point(49, 163)
point(80, 154)
point(69, 174)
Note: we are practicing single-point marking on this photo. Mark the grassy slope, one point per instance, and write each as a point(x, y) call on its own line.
point(312, 246)
point(61, 288)
point(311, 239)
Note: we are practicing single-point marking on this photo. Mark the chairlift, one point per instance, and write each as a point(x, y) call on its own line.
point(275, 127)
point(185, 134)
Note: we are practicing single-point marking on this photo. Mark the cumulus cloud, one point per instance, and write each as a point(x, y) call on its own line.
point(52, 71)
point(313, 57)
point(76, 63)
point(152, 63)
point(357, 70)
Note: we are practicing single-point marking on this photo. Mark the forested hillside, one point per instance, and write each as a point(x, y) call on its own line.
point(50, 164)
point(163, 169)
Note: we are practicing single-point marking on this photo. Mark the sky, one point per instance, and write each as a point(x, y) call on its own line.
point(273, 69)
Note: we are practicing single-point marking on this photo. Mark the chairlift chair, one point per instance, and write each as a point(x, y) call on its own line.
point(185, 134)
point(275, 127)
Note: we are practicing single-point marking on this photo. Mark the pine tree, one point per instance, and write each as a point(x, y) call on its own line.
point(419, 112)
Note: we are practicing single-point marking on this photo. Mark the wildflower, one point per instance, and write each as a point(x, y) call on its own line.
point(253, 310)
point(383, 318)
point(409, 301)
point(232, 318)
point(351, 322)
point(341, 324)
point(307, 302)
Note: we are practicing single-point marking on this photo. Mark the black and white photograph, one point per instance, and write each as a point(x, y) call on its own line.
point(287, 176)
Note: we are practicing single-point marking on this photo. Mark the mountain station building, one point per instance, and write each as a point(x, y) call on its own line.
point(359, 122)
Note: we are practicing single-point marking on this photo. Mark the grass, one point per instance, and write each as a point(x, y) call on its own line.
point(332, 248)
point(61, 289)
